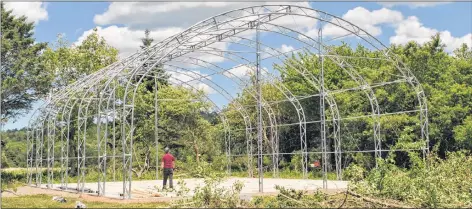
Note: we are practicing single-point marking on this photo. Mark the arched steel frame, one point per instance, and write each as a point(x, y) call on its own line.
point(94, 95)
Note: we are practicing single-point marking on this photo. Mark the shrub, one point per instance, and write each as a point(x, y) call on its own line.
point(354, 173)
point(212, 195)
point(434, 182)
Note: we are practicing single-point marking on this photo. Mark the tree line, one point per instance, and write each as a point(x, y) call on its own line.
point(31, 70)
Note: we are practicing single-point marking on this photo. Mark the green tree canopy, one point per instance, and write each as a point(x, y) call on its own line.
point(66, 63)
point(24, 78)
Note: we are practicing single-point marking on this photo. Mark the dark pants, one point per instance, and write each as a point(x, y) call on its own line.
point(168, 173)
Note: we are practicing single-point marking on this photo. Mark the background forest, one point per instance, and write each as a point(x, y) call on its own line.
point(194, 132)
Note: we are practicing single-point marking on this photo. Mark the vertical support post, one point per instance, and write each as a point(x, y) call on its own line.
point(322, 112)
point(424, 124)
point(228, 131)
point(66, 151)
point(277, 155)
point(81, 145)
point(337, 141)
point(99, 147)
point(102, 145)
point(259, 107)
point(1, 131)
point(62, 152)
point(114, 131)
point(79, 121)
point(51, 129)
point(123, 147)
point(30, 155)
point(156, 123)
point(84, 158)
point(28, 152)
point(37, 157)
point(105, 153)
point(48, 150)
point(249, 139)
point(127, 148)
point(63, 148)
point(41, 155)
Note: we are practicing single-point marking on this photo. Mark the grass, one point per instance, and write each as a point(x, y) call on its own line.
point(45, 201)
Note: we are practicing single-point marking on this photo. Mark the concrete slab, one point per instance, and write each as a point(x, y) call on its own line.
point(250, 188)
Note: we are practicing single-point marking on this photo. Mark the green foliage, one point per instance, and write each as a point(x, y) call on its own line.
point(463, 133)
point(147, 41)
point(201, 169)
point(14, 177)
point(446, 80)
point(212, 196)
point(291, 198)
point(182, 127)
point(435, 182)
point(66, 64)
point(45, 201)
point(182, 189)
point(195, 134)
point(354, 173)
point(11, 178)
point(13, 144)
point(23, 77)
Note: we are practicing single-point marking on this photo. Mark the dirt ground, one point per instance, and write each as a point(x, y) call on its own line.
point(27, 190)
point(142, 190)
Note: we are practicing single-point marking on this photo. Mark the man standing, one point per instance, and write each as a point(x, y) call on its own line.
point(168, 166)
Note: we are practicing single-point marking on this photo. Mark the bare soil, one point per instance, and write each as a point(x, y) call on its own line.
point(27, 190)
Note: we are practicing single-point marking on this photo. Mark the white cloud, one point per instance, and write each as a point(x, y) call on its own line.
point(415, 4)
point(298, 21)
point(453, 43)
point(205, 88)
point(244, 71)
point(273, 52)
point(128, 41)
point(284, 48)
point(411, 29)
point(192, 78)
point(160, 15)
point(209, 54)
point(239, 71)
point(369, 21)
point(140, 15)
point(34, 11)
point(163, 14)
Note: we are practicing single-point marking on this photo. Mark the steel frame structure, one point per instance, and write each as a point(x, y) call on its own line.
point(95, 96)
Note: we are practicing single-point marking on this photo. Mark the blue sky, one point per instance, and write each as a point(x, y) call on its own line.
point(122, 23)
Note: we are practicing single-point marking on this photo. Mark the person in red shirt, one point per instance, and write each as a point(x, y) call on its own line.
point(168, 167)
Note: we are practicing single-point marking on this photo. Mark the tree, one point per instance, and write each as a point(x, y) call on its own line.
point(147, 41)
point(446, 81)
point(66, 63)
point(463, 133)
point(24, 80)
point(149, 88)
point(157, 71)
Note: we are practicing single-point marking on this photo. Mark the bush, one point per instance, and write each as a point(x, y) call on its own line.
point(213, 196)
point(290, 198)
point(434, 182)
point(354, 173)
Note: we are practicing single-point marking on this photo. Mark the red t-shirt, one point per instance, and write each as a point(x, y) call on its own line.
point(168, 160)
